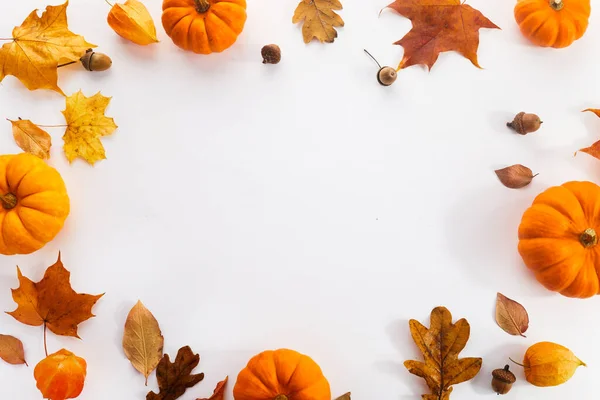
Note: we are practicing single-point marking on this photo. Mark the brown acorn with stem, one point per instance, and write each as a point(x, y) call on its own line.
point(386, 75)
point(92, 61)
point(525, 123)
point(502, 380)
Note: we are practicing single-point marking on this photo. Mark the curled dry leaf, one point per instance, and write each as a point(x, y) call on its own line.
point(142, 340)
point(52, 302)
point(438, 26)
point(219, 392)
point(38, 46)
point(511, 316)
point(594, 149)
point(320, 19)
point(11, 350)
point(174, 378)
point(86, 124)
point(440, 346)
point(31, 138)
point(516, 176)
point(133, 22)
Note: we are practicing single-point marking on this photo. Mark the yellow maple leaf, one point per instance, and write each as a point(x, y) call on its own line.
point(86, 124)
point(319, 19)
point(133, 22)
point(38, 46)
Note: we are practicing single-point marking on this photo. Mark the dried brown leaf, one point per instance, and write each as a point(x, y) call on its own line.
point(593, 150)
point(174, 378)
point(31, 138)
point(11, 350)
point(345, 396)
point(319, 18)
point(511, 316)
point(219, 392)
point(142, 340)
point(516, 176)
point(440, 346)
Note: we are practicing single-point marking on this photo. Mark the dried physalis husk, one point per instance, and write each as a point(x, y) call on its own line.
point(516, 176)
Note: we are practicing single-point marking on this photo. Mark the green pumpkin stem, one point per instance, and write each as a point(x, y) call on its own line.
point(202, 6)
point(9, 201)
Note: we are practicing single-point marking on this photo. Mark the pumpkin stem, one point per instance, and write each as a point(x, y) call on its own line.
point(281, 397)
point(202, 6)
point(588, 238)
point(9, 201)
point(557, 4)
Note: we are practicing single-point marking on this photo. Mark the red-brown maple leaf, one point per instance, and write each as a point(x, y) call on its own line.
point(52, 302)
point(438, 26)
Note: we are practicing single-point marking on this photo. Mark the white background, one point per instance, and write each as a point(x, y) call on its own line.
point(302, 205)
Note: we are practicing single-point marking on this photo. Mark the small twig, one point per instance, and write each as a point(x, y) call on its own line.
point(45, 344)
point(7, 38)
point(374, 59)
point(516, 362)
point(65, 64)
point(53, 126)
point(108, 2)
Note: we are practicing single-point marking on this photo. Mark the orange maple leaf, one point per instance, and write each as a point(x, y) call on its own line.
point(438, 26)
point(594, 149)
point(52, 302)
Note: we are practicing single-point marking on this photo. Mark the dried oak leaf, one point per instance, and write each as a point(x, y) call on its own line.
point(438, 26)
point(132, 21)
point(516, 176)
point(219, 392)
point(31, 138)
point(11, 350)
point(511, 316)
point(593, 150)
point(38, 46)
point(440, 345)
point(320, 19)
point(52, 302)
point(174, 378)
point(142, 340)
point(86, 124)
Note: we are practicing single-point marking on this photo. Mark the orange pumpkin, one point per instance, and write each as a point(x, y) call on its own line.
point(558, 239)
point(553, 23)
point(61, 375)
point(204, 26)
point(33, 203)
point(281, 375)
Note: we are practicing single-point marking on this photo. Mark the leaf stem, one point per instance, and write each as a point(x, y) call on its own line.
point(45, 341)
point(53, 126)
point(374, 59)
point(517, 362)
point(108, 2)
point(65, 64)
point(7, 38)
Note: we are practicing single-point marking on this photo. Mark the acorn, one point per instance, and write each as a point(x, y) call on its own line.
point(525, 123)
point(271, 54)
point(502, 380)
point(93, 61)
point(386, 76)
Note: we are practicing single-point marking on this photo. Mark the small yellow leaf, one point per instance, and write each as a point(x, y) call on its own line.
point(86, 124)
point(31, 138)
point(38, 46)
point(319, 19)
point(133, 22)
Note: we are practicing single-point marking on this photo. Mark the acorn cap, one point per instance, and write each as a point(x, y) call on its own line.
point(504, 375)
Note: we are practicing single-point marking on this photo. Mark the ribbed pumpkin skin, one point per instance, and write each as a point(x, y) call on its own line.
point(209, 32)
point(547, 27)
point(281, 372)
point(42, 204)
point(550, 239)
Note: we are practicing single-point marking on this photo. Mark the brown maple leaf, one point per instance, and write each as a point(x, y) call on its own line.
point(320, 19)
point(440, 345)
point(38, 46)
point(219, 392)
point(594, 149)
point(174, 378)
point(52, 302)
point(438, 26)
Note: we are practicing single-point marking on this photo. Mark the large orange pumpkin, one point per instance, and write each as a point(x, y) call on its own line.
point(204, 26)
point(558, 239)
point(281, 375)
point(553, 23)
point(33, 203)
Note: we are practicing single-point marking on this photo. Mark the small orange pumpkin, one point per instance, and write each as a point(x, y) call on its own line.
point(204, 26)
point(281, 375)
point(33, 203)
point(553, 23)
point(558, 239)
point(61, 375)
